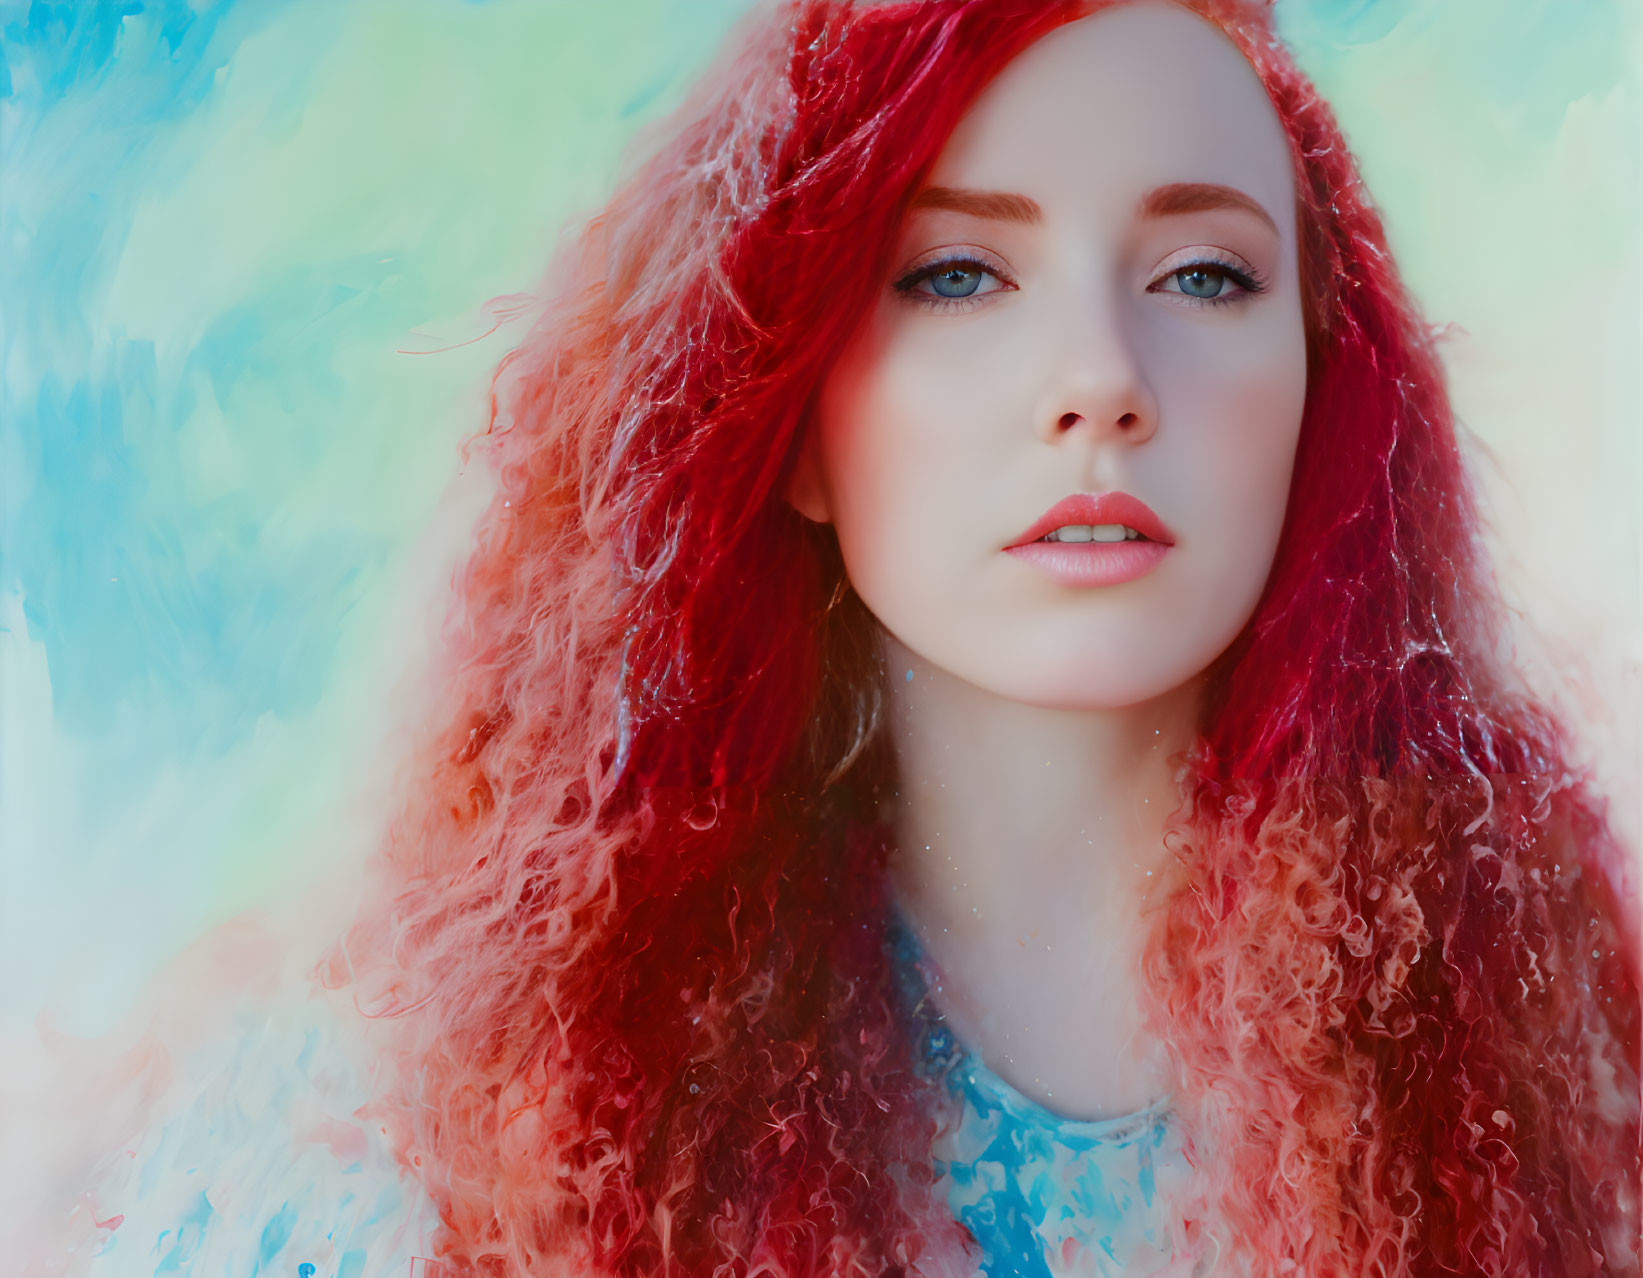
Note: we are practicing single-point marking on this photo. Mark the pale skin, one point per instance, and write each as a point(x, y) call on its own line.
point(1095, 291)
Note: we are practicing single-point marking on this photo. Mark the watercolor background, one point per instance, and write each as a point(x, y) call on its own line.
point(258, 260)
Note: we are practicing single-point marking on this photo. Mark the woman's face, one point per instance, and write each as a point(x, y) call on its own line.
point(1095, 294)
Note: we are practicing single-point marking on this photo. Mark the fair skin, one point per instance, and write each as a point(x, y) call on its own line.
point(1126, 319)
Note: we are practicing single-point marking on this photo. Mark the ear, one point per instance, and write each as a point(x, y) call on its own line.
point(806, 491)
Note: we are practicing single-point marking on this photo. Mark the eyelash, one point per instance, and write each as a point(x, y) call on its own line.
point(1249, 282)
point(909, 282)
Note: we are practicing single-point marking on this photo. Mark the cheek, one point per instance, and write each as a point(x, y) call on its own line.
point(899, 445)
point(1246, 409)
point(1257, 453)
point(1236, 492)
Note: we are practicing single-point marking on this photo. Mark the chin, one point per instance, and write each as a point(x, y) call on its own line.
point(1076, 681)
point(1087, 695)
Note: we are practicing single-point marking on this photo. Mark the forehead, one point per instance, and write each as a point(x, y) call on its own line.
point(1106, 108)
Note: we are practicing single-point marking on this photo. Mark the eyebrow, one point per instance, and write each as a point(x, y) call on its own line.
point(1163, 201)
point(1001, 206)
point(1199, 197)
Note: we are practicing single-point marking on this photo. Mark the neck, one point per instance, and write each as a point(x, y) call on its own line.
point(1013, 817)
point(1029, 845)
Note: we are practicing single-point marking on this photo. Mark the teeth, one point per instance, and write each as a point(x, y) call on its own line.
point(1095, 532)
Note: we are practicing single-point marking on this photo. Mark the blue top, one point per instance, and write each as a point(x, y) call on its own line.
point(1044, 1196)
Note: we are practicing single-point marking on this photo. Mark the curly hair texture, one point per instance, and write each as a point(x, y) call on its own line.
point(630, 945)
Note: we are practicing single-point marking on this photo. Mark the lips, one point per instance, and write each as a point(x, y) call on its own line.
point(1094, 509)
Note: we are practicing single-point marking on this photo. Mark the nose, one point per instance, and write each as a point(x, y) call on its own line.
point(1096, 388)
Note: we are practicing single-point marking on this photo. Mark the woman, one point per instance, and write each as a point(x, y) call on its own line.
point(795, 787)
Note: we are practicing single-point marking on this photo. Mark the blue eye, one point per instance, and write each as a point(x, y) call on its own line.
point(952, 279)
point(1201, 281)
point(957, 280)
point(1213, 283)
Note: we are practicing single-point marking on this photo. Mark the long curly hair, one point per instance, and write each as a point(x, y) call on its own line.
point(630, 927)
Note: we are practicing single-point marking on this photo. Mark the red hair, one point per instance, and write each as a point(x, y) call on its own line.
point(633, 925)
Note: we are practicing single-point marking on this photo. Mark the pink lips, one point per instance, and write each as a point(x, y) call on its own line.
point(1095, 563)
